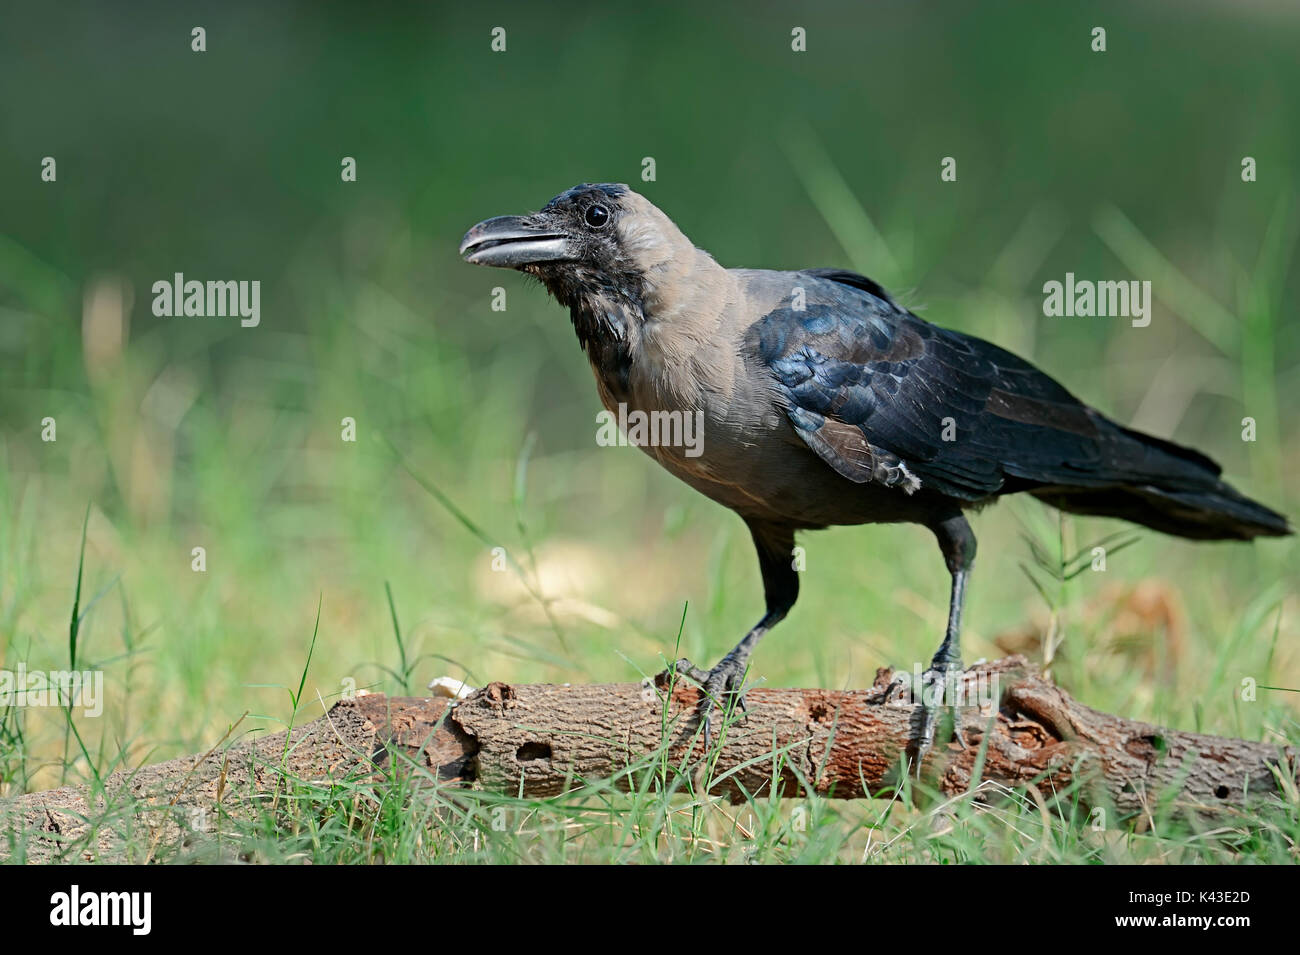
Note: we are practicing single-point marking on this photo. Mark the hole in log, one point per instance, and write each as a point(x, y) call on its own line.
point(1149, 748)
point(1221, 792)
point(530, 751)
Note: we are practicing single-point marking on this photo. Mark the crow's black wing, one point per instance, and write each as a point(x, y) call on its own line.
point(881, 395)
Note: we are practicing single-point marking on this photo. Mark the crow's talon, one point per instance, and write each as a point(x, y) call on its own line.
point(896, 688)
point(938, 689)
point(721, 685)
point(689, 670)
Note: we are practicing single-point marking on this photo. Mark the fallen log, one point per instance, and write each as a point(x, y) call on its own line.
point(541, 740)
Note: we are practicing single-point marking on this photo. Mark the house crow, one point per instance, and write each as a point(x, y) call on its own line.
point(825, 402)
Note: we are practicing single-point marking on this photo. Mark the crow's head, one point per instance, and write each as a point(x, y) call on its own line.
point(593, 247)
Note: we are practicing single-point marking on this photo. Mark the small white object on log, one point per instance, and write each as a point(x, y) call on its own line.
point(450, 687)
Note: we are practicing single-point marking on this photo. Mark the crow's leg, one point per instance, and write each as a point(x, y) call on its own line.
point(780, 588)
point(939, 682)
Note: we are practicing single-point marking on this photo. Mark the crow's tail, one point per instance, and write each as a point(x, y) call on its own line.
point(1174, 490)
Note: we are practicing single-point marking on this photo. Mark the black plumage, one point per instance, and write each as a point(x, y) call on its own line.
point(880, 395)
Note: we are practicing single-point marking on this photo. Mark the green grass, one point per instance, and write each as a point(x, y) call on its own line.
point(202, 653)
point(335, 566)
point(656, 811)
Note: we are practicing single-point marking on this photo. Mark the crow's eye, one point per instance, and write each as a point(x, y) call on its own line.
point(597, 216)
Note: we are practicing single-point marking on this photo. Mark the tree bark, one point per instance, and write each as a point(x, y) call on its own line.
point(542, 740)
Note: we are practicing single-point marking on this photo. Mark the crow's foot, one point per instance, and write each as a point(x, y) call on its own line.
point(938, 689)
point(721, 686)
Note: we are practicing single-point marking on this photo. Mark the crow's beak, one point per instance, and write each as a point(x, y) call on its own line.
point(512, 241)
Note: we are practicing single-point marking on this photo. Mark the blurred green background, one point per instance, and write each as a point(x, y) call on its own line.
point(185, 432)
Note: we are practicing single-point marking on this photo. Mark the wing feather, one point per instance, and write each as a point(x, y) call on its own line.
point(881, 395)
